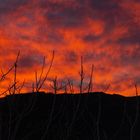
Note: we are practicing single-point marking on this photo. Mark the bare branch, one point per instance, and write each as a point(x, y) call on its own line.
point(5, 74)
point(43, 80)
point(19, 88)
point(107, 87)
point(15, 72)
point(33, 88)
point(36, 81)
point(70, 84)
point(90, 85)
point(54, 85)
point(42, 70)
point(9, 89)
point(81, 76)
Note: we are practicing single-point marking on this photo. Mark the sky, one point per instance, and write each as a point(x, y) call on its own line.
point(104, 32)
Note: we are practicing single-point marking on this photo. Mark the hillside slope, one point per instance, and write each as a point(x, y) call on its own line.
point(94, 116)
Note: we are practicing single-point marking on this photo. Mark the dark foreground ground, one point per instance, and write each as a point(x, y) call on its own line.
point(94, 116)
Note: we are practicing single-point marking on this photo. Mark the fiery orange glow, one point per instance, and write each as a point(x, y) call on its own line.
point(105, 33)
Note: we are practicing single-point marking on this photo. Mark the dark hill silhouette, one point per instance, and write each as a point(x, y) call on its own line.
point(93, 116)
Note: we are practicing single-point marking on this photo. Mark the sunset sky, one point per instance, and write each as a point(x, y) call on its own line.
point(105, 32)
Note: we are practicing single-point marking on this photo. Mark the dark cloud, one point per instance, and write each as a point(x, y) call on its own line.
point(55, 38)
point(104, 5)
point(65, 17)
point(29, 61)
point(102, 9)
point(49, 35)
point(71, 57)
point(24, 25)
point(9, 6)
point(101, 87)
point(137, 80)
point(132, 37)
point(91, 38)
point(102, 69)
point(130, 58)
point(111, 13)
point(96, 57)
point(69, 16)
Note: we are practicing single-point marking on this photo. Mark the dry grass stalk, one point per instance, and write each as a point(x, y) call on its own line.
point(81, 73)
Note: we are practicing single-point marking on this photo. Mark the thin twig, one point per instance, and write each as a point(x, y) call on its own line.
point(15, 72)
point(43, 80)
point(90, 85)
